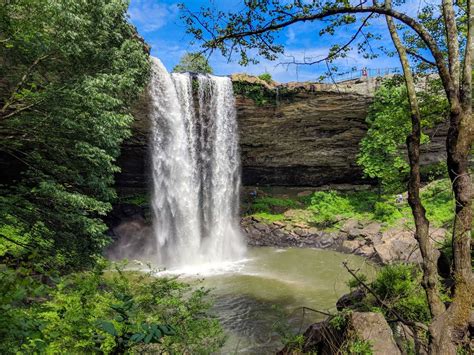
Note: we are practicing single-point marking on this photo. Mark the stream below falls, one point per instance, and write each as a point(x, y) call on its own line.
point(264, 292)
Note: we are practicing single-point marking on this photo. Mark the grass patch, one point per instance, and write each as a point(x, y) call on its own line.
point(268, 217)
point(329, 209)
point(273, 205)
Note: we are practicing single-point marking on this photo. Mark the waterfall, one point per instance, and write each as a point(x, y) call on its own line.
point(196, 169)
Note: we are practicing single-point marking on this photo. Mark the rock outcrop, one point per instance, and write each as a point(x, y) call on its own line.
point(308, 139)
point(134, 158)
point(374, 329)
point(355, 237)
point(368, 328)
point(295, 134)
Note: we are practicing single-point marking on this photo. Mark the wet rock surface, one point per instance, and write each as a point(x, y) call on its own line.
point(355, 237)
point(131, 231)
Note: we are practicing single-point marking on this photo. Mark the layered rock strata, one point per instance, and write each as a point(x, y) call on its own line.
point(294, 134)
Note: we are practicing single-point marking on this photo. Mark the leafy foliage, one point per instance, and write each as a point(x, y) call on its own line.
point(90, 312)
point(70, 71)
point(193, 62)
point(267, 77)
point(382, 151)
point(399, 286)
point(258, 93)
point(329, 209)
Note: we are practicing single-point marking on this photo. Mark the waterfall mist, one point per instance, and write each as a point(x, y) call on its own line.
point(196, 169)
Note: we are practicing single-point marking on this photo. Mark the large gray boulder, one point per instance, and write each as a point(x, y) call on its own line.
point(373, 327)
point(400, 245)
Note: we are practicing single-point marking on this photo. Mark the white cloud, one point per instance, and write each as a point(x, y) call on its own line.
point(290, 36)
point(150, 15)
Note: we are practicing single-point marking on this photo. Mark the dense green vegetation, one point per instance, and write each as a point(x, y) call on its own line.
point(329, 209)
point(382, 150)
point(70, 71)
point(399, 286)
point(68, 80)
point(258, 93)
point(103, 312)
point(194, 63)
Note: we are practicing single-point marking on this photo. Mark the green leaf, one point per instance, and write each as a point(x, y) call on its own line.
point(148, 338)
point(109, 328)
point(167, 330)
point(157, 334)
point(137, 337)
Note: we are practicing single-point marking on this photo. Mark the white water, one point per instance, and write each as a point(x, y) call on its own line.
point(196, 170)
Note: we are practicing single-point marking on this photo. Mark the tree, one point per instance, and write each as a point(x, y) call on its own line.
point(441, 38)
point(267, 77)
point(382, 154)
point(422, 225)
point(193, 62)
point(70, 71)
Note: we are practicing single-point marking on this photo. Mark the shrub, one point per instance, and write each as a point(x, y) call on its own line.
point(339, 320)
point(327, 206)
point(397, 280)
point(114, 312)
point(266, 77)
point(386, 212)
point(273, 204)
point(399, 285)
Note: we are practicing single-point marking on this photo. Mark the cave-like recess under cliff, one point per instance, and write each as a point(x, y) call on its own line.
point(297, 134)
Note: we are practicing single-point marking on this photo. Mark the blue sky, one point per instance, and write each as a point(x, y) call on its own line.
point(158, 21)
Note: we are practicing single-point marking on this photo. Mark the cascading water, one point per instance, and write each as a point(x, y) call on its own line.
point(196, 169)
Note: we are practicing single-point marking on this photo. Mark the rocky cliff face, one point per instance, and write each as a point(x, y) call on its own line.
point(134, 158)
point(290, 135)
point(308, 139)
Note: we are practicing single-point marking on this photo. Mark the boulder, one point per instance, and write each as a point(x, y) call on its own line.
point(351, 246)
point(373, 327)
point(366, 251)
point(349, 300)
point(320, 338)
point(401, 245)
point(371, 230)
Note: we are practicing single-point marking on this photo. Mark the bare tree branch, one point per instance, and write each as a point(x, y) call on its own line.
point(420, 57)
point(341, 49)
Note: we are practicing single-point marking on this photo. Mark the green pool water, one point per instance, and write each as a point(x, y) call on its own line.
point(258, 297)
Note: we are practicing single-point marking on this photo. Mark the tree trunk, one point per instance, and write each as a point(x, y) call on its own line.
point(451, 325)
point(429, 263)
point(449, 328)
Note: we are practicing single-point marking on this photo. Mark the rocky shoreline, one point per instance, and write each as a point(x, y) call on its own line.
point(366, 239)
point(130, 225)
